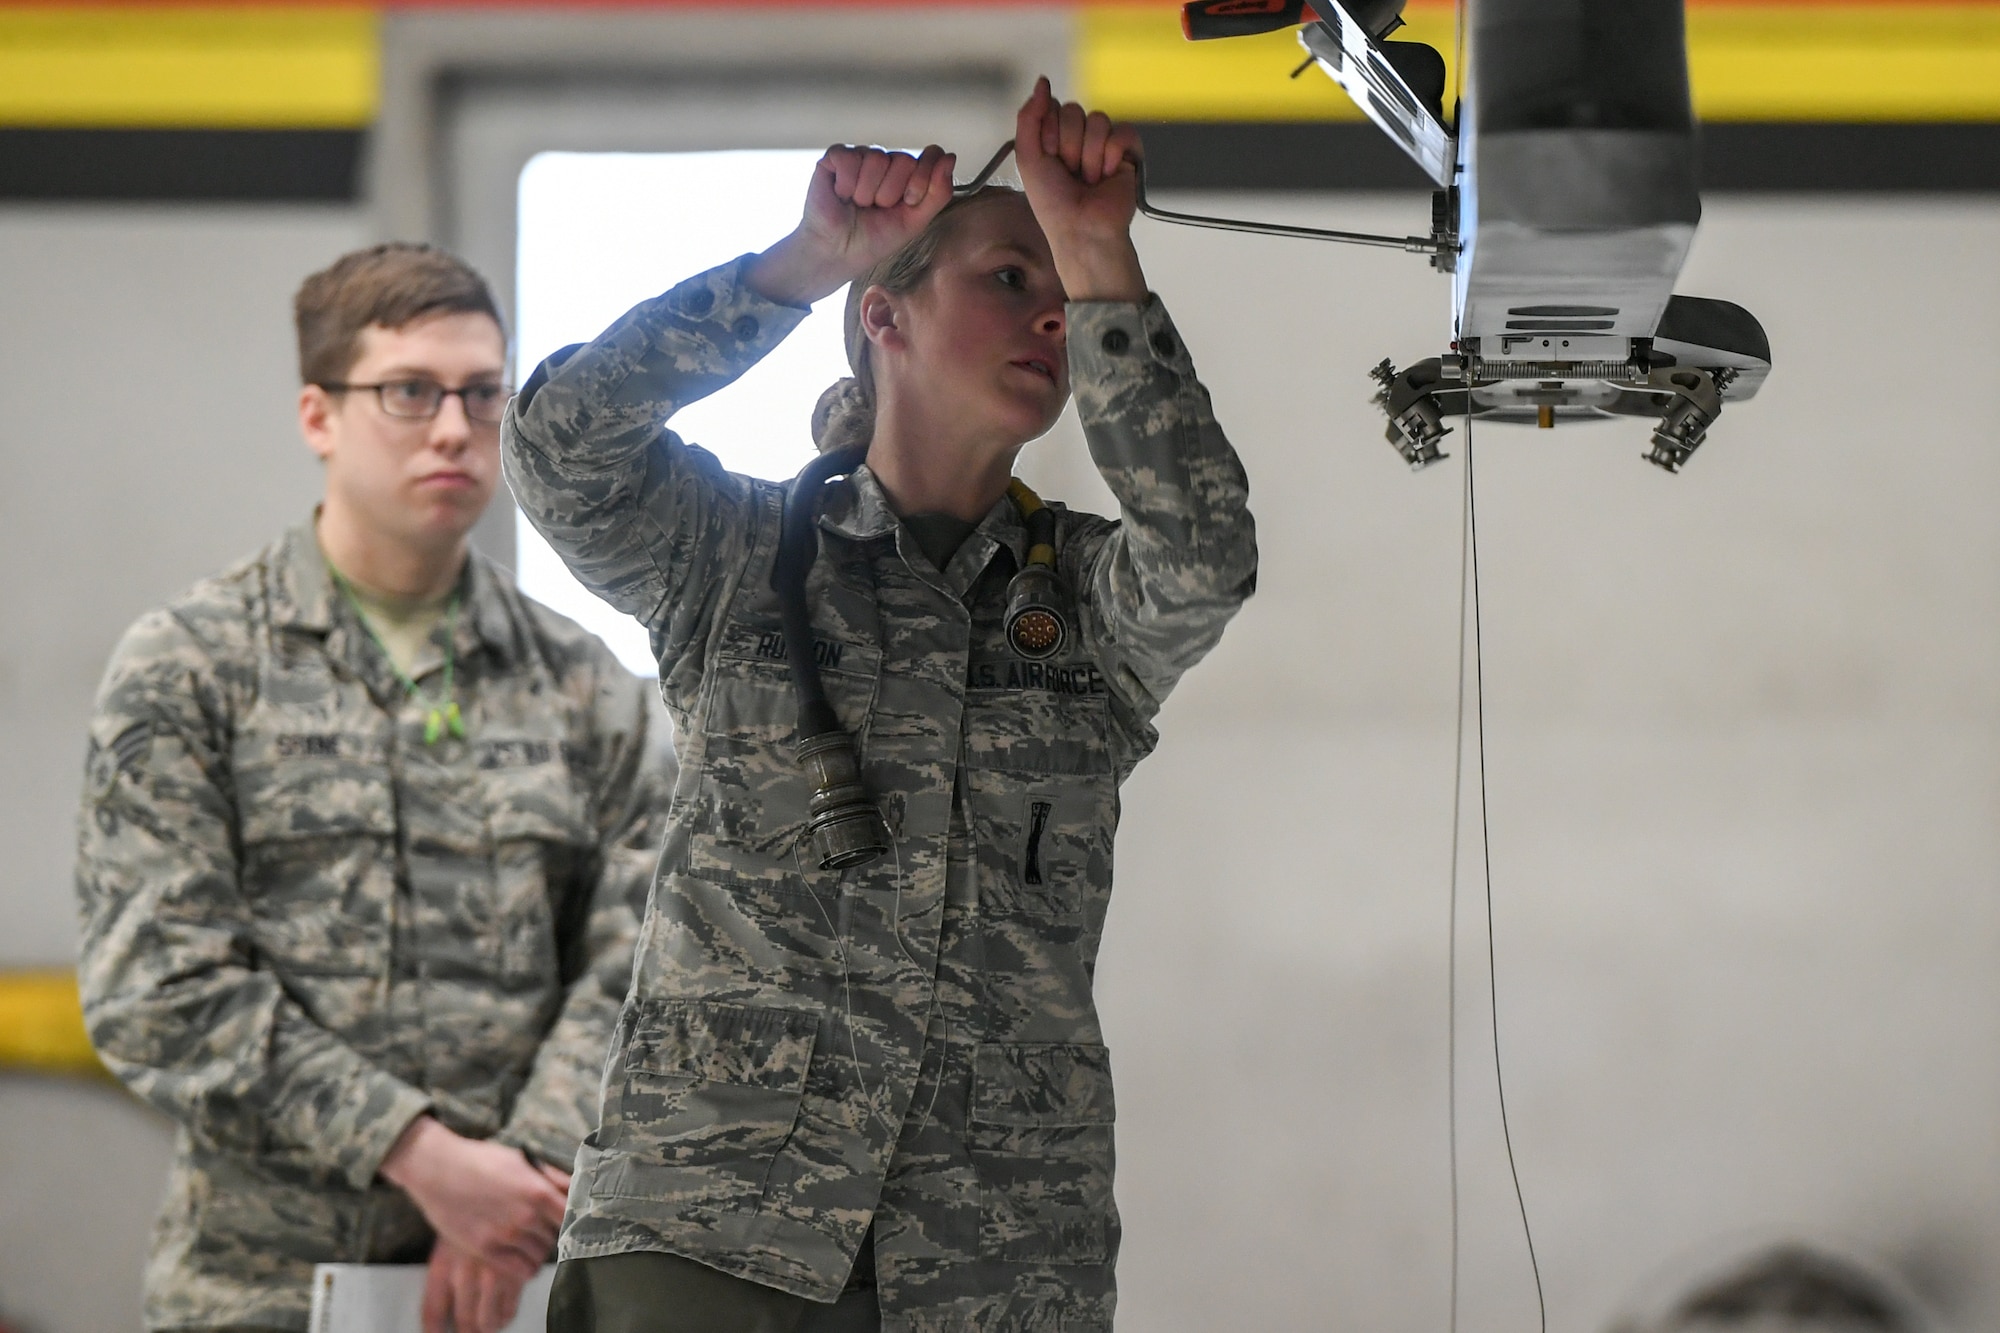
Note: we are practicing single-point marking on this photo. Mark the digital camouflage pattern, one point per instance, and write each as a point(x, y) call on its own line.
point(915, 1041)
point(303, 926)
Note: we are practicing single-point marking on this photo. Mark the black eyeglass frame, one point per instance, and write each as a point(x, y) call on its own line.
point(462, 394)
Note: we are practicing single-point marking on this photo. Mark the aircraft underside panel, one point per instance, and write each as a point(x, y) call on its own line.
point(1568, 231)
point(1569, 204)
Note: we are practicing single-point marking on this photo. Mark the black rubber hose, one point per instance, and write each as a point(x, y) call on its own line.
point(798, 545)
point(1041, 528)
point(844, 826)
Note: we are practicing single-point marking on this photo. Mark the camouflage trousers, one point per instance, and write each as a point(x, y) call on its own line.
point(648, 1292)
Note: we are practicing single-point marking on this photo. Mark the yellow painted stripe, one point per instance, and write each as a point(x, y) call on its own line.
point(1905, 62)
point(245, 67)
point(1888, 62)
point(312, 66)
point(41, 1024)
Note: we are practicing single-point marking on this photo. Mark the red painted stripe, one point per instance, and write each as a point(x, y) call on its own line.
point(795, 6)
point(723, 5)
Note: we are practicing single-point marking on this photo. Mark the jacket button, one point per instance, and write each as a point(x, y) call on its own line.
point(698, 301)
point(1116, 341)
point(1163, 343)
point(745, 328)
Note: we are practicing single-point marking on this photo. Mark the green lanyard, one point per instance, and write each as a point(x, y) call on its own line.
point(444, 715)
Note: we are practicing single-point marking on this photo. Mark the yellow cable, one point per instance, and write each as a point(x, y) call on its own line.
point(1024, 499)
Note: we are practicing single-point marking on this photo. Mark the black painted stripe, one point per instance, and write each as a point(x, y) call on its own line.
point(1802, 157)
point(261, 165)
point(180, 165)
point(1236, 155)
point(1961, 157)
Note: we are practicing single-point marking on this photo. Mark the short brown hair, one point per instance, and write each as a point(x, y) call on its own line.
point(393, 285)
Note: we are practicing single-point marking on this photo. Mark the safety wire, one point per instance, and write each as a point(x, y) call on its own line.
point(1458, 731)
point(1457, 821)
point(847, 980)
point(1469, 599)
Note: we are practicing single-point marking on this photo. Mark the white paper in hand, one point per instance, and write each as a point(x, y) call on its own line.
point(388, 1298)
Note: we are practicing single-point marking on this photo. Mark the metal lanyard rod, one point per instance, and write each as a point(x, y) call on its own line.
point(1416, 245)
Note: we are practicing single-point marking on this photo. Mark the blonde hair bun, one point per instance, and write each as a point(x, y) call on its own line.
point(843, 417)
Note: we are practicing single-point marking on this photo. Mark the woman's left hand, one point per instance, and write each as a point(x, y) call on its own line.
point(1081, 175)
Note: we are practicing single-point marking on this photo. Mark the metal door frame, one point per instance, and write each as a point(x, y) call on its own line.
point(432, 62)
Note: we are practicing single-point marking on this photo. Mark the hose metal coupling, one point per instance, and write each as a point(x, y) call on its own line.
point(846, 828)
point(1036, 627)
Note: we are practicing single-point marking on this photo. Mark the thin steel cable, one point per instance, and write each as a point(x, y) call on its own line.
point(1451, 951)
point(1458, 731)
point(1422, 245)
point(846, 988)
point(1416, 245)
point(1486, 861)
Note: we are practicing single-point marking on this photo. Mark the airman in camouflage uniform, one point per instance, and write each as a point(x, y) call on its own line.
point(306, 926)
point(913, 1043)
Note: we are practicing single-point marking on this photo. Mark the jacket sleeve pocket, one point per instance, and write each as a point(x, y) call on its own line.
point(709, 1095)
point(1041, 1140)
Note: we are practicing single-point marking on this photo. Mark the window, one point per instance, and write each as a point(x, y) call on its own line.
point(600, 232)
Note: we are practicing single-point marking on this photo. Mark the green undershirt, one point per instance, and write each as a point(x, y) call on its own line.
point(939, 536)
point(403, 626)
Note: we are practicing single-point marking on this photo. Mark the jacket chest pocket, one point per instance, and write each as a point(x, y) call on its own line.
point(1043, 802)
point(750, 804)
point(1041, 1138)
point(317, 822)
point(543, 854)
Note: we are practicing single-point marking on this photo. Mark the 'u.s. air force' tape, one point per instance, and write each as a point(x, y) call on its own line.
point(1014, 673)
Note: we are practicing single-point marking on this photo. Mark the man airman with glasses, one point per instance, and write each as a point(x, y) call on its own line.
point(363, 843)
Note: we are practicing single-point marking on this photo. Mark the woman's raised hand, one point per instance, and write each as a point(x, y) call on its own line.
point(1079, 169)
point(863, 205)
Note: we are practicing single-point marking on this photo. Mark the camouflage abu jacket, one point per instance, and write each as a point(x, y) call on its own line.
point(913, 1042)
point(303, 926)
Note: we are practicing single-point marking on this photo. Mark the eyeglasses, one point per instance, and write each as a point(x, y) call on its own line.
point(420, 400)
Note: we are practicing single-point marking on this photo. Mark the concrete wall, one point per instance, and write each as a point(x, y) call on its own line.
point(147, 438)
point(1741, 738)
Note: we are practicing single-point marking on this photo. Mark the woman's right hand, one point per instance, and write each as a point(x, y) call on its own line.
point(863, 205)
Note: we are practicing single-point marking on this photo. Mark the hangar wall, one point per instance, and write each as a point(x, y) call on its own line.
point(1742, 741)
point(1742, 749)
point(147, 438)
point(1742, 733)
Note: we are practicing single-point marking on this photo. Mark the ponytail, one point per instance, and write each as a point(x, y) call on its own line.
point(844, 417)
